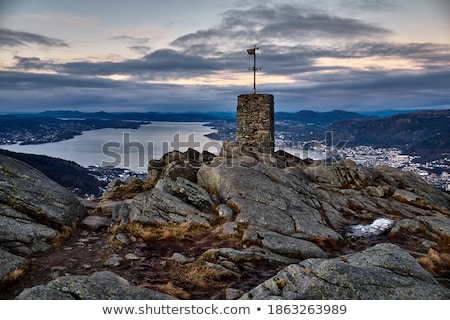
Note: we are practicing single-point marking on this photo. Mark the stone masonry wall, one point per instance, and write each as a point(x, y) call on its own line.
point(255, 121)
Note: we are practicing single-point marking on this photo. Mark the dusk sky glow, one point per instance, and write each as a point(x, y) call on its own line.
point(140, 55)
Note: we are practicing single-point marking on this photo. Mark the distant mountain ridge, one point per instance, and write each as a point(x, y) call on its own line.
point(136, 116)
point(425, 133)
point(308, 116)
point(305, 116)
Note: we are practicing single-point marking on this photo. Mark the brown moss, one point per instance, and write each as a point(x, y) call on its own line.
point(330, 246)
point(281, 283)
point(355, 205)
point(211, 190)
point(218, 221)
point(234, 207)
point(148, 184)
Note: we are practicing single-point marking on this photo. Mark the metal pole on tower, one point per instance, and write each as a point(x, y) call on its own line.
point(253, 53)
point(254, 72)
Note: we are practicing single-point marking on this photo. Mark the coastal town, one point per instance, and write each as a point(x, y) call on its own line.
point(435, 172)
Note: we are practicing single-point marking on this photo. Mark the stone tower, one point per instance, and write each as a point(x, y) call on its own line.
point(255, 121)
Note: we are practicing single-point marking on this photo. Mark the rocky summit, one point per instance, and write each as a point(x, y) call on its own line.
point(34, 212)
point(239, 225)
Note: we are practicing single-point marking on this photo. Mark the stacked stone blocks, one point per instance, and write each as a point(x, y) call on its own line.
point(255, 121)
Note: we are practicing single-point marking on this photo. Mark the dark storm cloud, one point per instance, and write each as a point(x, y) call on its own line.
point(276, 24)
point(292, 60)
point(294, 24)
point(375, 89)
point(10, 38)
point(32, 63)
point(399, 82)
point(35, 92)
point(421, 51)
point(164, 63)
point(350, 89)
point(168, 59)
point(29, 81)
point(158, 63)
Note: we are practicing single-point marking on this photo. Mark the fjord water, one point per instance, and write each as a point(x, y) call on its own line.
point(126, 148)
point(132, 148)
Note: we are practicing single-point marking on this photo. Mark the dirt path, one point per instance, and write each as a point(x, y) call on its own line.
point(80, 255)
point(143, 263)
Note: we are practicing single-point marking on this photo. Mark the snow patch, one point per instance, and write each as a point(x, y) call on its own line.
point(377, 227)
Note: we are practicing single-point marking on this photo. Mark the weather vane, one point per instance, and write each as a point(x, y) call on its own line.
point(252, 52)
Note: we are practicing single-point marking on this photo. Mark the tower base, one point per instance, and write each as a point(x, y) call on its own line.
point(255, 121)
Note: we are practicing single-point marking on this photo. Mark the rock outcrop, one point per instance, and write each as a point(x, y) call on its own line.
point(259, 213)
point(11, 264)
point(34, 211)
point(33, 208)
point(289, 209)
point(382, 272)
point(102, 285)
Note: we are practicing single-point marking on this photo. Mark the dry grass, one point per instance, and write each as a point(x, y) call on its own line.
point(174, 291)
point(436, 263)
point(129, 190)
point(171, 230)
point(204, 272)
point(444, 244)
point(66, 233)
point(202, 275)
point(179, 231)
point(13, 276)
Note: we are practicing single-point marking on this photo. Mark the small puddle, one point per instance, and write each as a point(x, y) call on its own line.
point(377, 227)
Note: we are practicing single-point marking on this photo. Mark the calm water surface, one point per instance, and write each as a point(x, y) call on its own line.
point(126, 148)
point(133, 148)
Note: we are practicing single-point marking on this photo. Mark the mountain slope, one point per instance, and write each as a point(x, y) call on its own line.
point(425, 133)
point(66, 173)
point(308, 116)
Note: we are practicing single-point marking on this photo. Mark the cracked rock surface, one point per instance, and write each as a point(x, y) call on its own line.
point(381, 272)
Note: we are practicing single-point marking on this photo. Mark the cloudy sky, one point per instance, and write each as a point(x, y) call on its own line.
point(176, 55)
